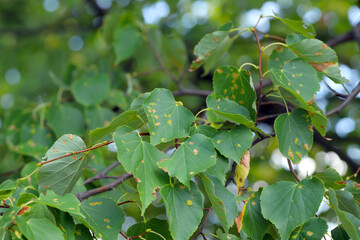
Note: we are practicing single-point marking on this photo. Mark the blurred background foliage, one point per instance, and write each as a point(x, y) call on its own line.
point(51, 50)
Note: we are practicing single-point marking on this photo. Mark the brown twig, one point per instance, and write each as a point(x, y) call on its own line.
point(102, 174)
point(125, 202)
point(335, 92)
point(346, 102)
point(108, 187)
point(263, 118)
point(201, 228)
point(292, 170)
point(195, 92)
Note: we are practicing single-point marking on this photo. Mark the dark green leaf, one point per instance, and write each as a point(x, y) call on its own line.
point(222, 200)
point(226, 27)
point(66, 224)
point(193, 156)
point(298, 26)
point(91, 89)
point(118, 98)
point(320, 56)
point(155, 225)
point(339, 233)
point(252, 221)
point(347, 203)
point(288, 205)
point(140, 158)
point(313, 229)
point(82, 233)
point(206, 46)
point(168, 119)
point(97, 117)
point(30, 148)
point(39, 229)
point(67, 203)
point(236, 86)
point(354, 188)
point(184, 208)
point(127, 39)
point(331, 178)
point(129, 118)
point(234, 142)
point(205, 130)
point(102, 216)
point(62, 175)
point(64, 119)
point(298, 77)
point(219, 169)
point(7, 188)
point(226, 236)
point(294, 134)
point(280, 56)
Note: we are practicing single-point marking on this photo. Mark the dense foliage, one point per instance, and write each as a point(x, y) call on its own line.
point(136, 145)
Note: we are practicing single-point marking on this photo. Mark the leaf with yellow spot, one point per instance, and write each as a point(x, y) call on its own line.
point(242, 171)
point(313, 229)
point(61, 175)
point(234, 142)
point(251, 220)
point(297, 76)
point(193, 156)
point(104, 220)
point(140, 160)
point(288, 128)
point(160, 227)
point(288, 206)
point(167, 119)
point(222, 200)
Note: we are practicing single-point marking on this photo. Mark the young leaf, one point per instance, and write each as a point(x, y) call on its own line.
point(221, 199)
point(294, 134)
point(298, 26)
point(129, 118)
point(319, 55)
point(206, 47)
point(102, 216)
point(184, 208)
point(229, 110)
point(313, 229)
point(140, 158)
point(127, 39)
point(288, 205)
point(280, 56)
point(39, 229)
point(168, 119)
point(234, 142)
point(297, 76)
point(231, 84)
point(61, 175)
point(91, 90)
point(155, 225)
point(331, 178)
point(251, 219)
point(7, 188)
point(67, 203)
point(193, 156)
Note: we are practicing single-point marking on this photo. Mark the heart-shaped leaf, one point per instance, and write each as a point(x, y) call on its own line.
point(313, 229)
point(160, 227)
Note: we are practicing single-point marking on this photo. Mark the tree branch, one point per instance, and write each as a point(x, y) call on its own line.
point(108, 187)
point(353, 34)
point(102, 174)
point(292, 170)
point(344, 103)
point(195, 92)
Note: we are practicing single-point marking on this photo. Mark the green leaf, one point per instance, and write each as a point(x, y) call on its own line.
point(174, 54)
point(319, 55)
point(354, 188)
point(66, 224)
point(231, 84)
point(229, 110)
point(82, 233)
point(30, 148)
point(127, 40)
point(102, 216)
point(61, 175)
point(298, 26)
point(128, 118)
point(140, 158)
point(67, 203)
point(37, 211)
point(39, 229)
point(347, 203)
point(98, 116)
point(288, 205)
point(222, 200)
point(313, 229)
point(184, 209)
point(7, 188)
point(206, 47)
point(339, 233)
point(331, 178)
point(205, 130)
point(168, 119)
point(118, 98)
point(226, 26)
point(91, 89)
point(155, 225)
point(294, 134)
point(253, 222)
point(219, 169)
point(279, 56)
point(298, 77)
point(64, 119)
point(226, 236)
point(193, 156)
point(234, 142)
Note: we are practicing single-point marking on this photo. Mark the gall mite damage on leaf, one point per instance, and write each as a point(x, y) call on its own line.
point(323, 66)
point(23, 210)
point(291, 154)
